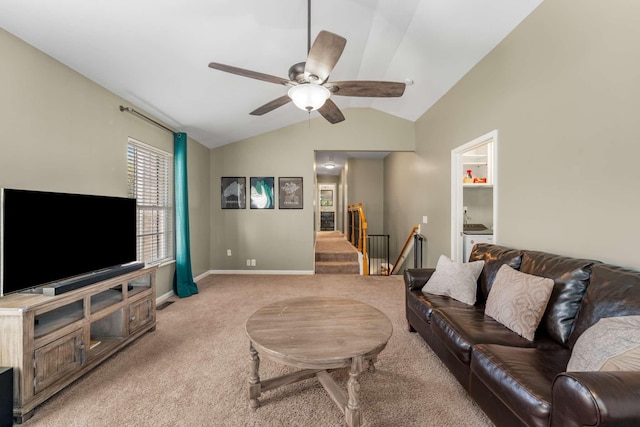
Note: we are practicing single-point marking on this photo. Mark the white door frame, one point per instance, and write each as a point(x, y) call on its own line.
point(457, 189)
point(333, 207)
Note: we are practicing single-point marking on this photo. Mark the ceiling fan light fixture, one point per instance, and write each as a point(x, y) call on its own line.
point(308, 96)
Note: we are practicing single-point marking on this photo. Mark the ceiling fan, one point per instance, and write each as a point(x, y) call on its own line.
point(308, 81)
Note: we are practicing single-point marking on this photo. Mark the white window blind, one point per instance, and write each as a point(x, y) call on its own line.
point(150, 179)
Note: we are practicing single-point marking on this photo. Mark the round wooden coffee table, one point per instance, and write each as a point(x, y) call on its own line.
point(317, 334)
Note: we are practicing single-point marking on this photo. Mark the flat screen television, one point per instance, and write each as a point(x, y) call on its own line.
point(47, 237)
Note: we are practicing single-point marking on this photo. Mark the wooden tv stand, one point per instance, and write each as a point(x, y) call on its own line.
point(51, 341)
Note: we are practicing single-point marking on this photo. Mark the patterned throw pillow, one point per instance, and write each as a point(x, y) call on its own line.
point(518, 300)
point(612, 344)
point(454, 279)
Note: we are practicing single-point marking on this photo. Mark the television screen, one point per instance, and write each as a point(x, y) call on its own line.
point(47, 237)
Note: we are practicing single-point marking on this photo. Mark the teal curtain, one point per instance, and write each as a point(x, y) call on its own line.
point(183, 284)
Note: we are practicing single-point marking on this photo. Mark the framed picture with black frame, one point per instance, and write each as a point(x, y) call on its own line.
point(261, 194)
point(290, 194)
point(233, 192)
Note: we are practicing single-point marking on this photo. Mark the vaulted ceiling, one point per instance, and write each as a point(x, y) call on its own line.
point(155, 53)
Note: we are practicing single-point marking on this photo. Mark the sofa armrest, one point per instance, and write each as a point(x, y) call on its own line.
point(596, 399)
point(415, 278)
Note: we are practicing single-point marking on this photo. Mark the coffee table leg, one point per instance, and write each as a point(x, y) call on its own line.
point(371, 367)
point(254, 378)
point(352, 412)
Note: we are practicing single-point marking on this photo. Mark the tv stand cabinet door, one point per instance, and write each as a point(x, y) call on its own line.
point(141, 313)
point(57, 359)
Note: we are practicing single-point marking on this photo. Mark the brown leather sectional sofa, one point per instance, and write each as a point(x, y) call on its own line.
point(518, 382)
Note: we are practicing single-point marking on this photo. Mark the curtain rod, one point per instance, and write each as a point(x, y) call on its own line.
point(149, 119)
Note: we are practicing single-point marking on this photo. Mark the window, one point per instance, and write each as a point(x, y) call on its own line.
point(326, 197)
point(150, 179)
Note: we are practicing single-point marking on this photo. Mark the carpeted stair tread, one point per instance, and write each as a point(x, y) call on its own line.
point(337, 256)
point(337, 267)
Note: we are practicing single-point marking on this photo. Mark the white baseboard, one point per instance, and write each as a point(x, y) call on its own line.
point(202, 276)
point(287, 272)
point(164, 297)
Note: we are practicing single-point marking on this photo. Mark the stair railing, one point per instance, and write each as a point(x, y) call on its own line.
point(418, 243)
point(351, 219)
point(408, 245)
point(378, 254)
point(357, 229)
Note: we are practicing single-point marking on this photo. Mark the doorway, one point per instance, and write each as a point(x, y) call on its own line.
point(474, 213)
point(327, 205)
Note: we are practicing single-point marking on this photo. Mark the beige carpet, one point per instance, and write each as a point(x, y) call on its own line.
point(192, 371)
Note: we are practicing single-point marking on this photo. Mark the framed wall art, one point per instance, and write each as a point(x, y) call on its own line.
point(261, 193)
point(233, 192)
point(290, 193)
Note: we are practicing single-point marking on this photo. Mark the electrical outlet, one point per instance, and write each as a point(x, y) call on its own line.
point(228, 252)
point(424, 219)
point(465, 209)
point(253, 263)
point(248, 262)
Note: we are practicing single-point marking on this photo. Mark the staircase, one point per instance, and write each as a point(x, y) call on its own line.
point(335, 255)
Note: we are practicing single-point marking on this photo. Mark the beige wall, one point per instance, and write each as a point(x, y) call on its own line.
point(366, 186)
point(404, 195)
point(62, 132)
point(564, 94)
point(283, 240)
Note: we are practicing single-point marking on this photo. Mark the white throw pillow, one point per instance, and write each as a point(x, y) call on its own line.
point(518, 300)
point(612, 344)
point(454, 279)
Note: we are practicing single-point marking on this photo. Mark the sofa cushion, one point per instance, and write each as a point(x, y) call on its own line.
point(494, 257)
point(518, 300)
point(415, 278)
point(423, 304)
point(460, 329)
point(455, 279)
point(613, 291)
point(571, 277)
point(612, 344)
point(521, 377)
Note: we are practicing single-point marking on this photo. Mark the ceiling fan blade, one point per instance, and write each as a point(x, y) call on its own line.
point(376, 89)
point(331, 112)
point(251, 74)
point(270, 106)
point(324, 55)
